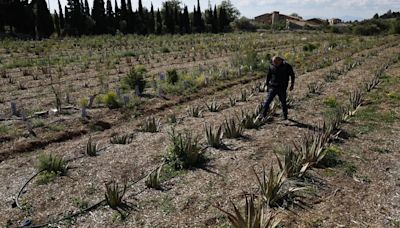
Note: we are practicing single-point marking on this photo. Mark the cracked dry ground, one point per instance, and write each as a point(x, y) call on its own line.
point(187, 198)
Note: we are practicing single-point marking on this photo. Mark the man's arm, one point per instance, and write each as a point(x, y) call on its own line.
point(269, 76)
point(292, 77)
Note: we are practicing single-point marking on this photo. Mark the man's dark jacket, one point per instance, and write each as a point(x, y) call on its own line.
point(278, 77)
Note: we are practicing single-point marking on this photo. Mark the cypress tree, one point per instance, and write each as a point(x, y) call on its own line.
point(129, 6)
point(151, 20)
point(141, 19)
point(87, 11)
point(159, 23)
point(117, 13)
point(99, 16)
point(61, 15)
point(82, 8)
point(195, 23)
point(223, 20)
point(209, 18)
point(140, 8)
point(215, 21)
point(110, 18)
point(200, 21)
point(176, 21)
point(43, 19)
point(168, 20)
point(56, 21)
point(124, 12)
point(186, 20)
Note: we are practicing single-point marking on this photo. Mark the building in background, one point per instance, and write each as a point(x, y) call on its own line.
point(275, 18)
point(334, 21)
point(291, 22)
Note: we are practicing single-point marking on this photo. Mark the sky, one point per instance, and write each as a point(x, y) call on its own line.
point(344, 9)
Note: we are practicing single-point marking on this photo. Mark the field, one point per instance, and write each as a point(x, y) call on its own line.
point(344, 115)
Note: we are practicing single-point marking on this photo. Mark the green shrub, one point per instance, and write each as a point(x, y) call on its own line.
point(395, 26)
point(309, 47)
point(46, 177)
point(172, 76)
point(331, 102)
point(52, 163)
point(165, 50)
point(331, 158)
point(111, 100)
point(84, 102)
point(184, 151)
point(136, 77)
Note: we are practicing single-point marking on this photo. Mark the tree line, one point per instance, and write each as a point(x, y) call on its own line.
point(77, 18)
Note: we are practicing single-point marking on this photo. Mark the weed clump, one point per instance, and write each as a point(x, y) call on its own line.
point(184, 151)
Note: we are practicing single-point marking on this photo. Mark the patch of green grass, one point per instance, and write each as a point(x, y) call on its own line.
point(128, 54)
point(56, 128)
point(395, 222)
point(394, 96)
point(331, 102)
point(350, 169)
point(46, 177)
point(331, 158)
point(119, 216)
point(4, 130)
point(372, 113)
point(168, 172)
point(366, 128)
point(167, 205)
point(79, 203)
point(328, 172)
point(36, 123)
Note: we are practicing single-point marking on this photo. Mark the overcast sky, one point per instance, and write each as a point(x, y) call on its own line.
point(358, 9)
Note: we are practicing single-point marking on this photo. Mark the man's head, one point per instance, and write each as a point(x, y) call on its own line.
point(277, 61)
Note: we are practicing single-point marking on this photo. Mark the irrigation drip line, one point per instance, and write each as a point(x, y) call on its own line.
point(94, 206)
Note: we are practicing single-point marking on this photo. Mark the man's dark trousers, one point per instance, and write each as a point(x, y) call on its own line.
point(282, 94)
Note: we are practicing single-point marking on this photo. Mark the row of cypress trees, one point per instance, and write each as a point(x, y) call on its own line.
point(76, 18)
point(20, 16)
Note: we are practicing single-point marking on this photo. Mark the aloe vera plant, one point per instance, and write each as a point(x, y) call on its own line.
point(153, 180)
point(91, 148)
point(213, 106)
point(272, 189)
point(114, 195)
point(232, 128)
point(214, 137)
point(252, 217)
